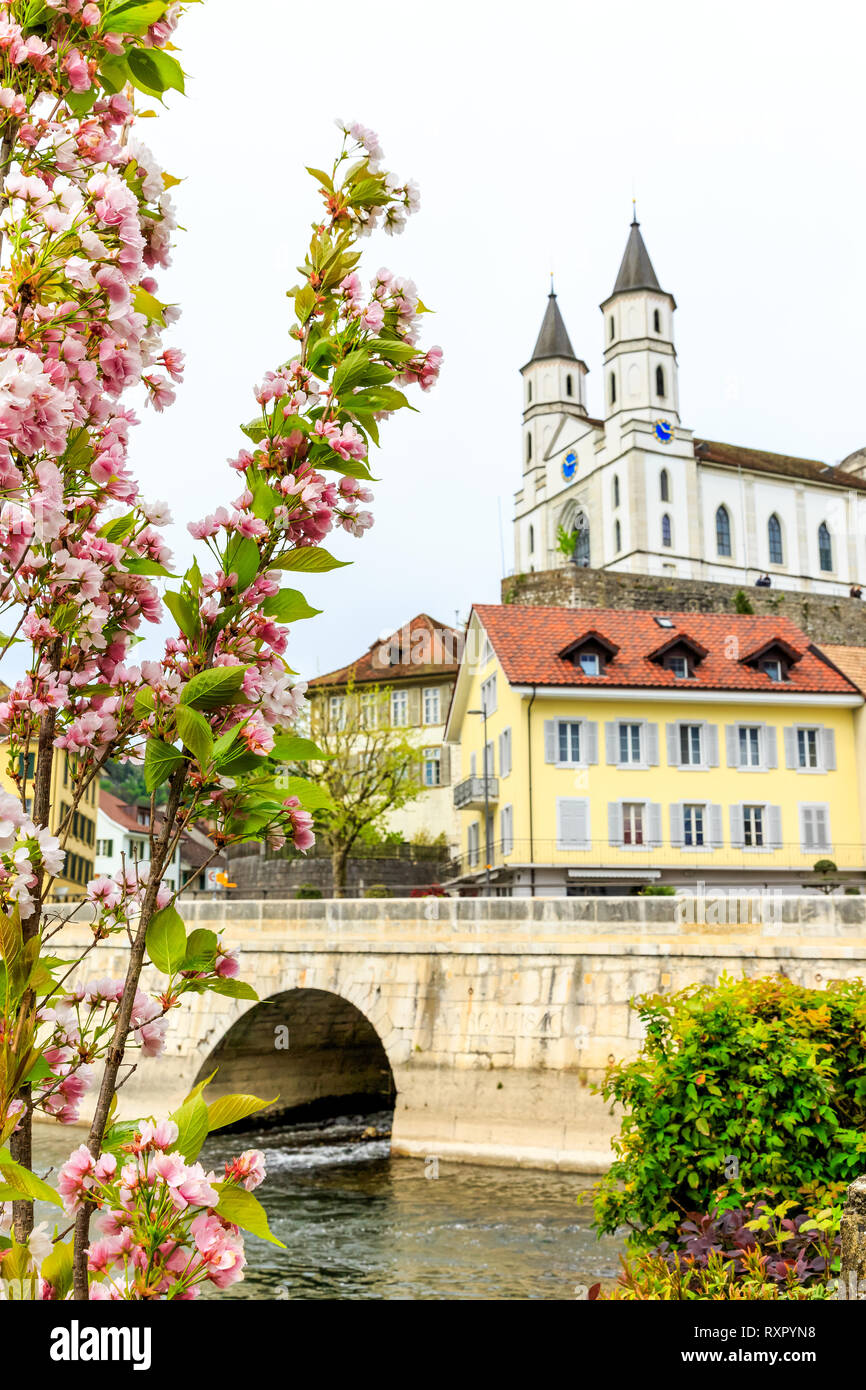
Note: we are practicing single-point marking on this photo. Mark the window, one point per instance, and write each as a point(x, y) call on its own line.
point(666, 530)
point(774, 540)
point(531, 539)
point(581, 545)
point(568, 386)
point(629, 743)
point(142, 816)
point(399, 708)
point(612, 328)
point(488, 694)
point(506, 829)
point(693, 826)
point(632, 822)
point(825, 548)
point(528, 447)
point(750, 746)
point(473, 843)
point(505, 753)
point(589, 663)
point(753, 827)
point(569, 741)
point(488, 760)
point(612, 389)
point(773, 669)
point(807, 747)
point(529, 393)
point(664, 486)
point(690, 745)
point(814, 828)
point(105, 847)
point(617, 536)
point(369, 710)
point(431, 768)
point(723, 532)
point(432, 705)
point(660, 382)
point(679, 665)
point(337, 712)
point(657, 321)
point(615, 490)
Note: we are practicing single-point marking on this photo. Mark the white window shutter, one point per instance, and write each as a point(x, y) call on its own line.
point(673, 738)
point(714, 815)
point(828, 739)
point(654, 817)
point(676, 812)
point(614, 822)
point(550, 741)
point(711, 747)
point(590, 747)
point(573, 822)
point(736, 815)
point(790, 736)
point(732, 744)
point(771, 746)
point(502, 755)
point(774, 822)
point(611, 742)
point(651, 752)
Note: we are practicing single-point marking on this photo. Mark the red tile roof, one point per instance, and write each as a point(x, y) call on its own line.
point(787, 465)
point(527, 641)
point(432, 649)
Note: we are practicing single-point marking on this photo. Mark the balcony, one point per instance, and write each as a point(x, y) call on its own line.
point(469, 794)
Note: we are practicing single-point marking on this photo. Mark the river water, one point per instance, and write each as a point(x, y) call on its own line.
point(359, 1224)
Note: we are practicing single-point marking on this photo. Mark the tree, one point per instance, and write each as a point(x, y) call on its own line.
point(86, 226)
point(370, 768)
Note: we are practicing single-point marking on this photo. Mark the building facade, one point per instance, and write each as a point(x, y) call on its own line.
point(123, 839)
point(635, 490)
point(630, 749)
point(77, 823)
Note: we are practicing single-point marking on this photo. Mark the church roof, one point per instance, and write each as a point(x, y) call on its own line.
point(760, 461)
point(636, 270)
point(553, 339)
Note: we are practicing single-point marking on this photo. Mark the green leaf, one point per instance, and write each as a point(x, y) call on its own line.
point(229, 1109)
point(139, 564)
point(311, 558)
point(200, 1086)
point(242, 558)
point(192, 1126)
point(201, 950)
point(57, 1268)
point(118, 529)
point(183, 611)
point(264, 500)
point(245, 1210)
point(350, 371)
point(213, 688)
point(311, 796)
point(154, 71)
point(291, 748)
point(144, 703)
point(322, 177)
point(160, 761)
point(26, 1182)
point(114, 74)
point(145, 303)
point(134, 17)
point(166, 940)
point(224, 745)
point(233, 989)
point(288, 606)
point(196, 733)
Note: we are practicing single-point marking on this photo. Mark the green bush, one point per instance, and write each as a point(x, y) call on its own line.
point(650, 1276)
point(741, 603)
point(658, 890)
point(308, 890)
point(377, 890)
point(747, 1087)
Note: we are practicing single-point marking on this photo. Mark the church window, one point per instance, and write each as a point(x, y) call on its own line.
point(617, 536)
point(664, 486)
point(612, 389)
point(774, 538)
point(825, 548)
point(529, 393)
point(568, 386)
point(528, 447)
point(581, 545)
point(660, 382)
point(612, 328)
point(666, 529)
point(657, 321)
point(615, 490)
point(723, 531)
point(531, 539)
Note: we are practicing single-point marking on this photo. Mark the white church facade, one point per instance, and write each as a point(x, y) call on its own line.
point(640, 493)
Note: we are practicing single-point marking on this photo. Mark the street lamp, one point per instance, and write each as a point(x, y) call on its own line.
point(483, 713)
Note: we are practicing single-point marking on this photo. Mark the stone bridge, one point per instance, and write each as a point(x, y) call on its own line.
point(482, 1021)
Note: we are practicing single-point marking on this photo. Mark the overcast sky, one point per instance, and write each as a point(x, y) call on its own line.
point(739, 129)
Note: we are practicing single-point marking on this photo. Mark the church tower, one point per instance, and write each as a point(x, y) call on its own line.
point(640, 362)
point(553, 386)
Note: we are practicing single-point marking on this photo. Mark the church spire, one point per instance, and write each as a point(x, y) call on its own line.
point(636, 270)
point(553, 339)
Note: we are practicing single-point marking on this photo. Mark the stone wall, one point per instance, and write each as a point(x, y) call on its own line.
point(258, 876)
point(824, 617)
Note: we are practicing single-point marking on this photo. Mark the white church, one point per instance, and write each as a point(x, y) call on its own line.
point(640, 493)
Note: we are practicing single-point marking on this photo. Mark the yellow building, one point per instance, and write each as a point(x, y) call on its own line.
point(626, 748)
point(80, 840)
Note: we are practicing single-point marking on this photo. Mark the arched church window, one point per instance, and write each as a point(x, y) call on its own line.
point(723, 532)
point(612, 328)
point(615, 490)
point(657, 321)
point(666, 530)
point(825, 548)
point(664, 486)
point(568, 385)
point(612, 389)
point(660, 382)
point(528, 447)
point(774, 539)
point(531, 539)
point(581, 544)
point(617, 536)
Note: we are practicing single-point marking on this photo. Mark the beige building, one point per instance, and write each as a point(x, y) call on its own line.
point(414, 670)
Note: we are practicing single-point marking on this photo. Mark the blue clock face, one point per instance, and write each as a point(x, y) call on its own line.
point(664, 431)
point(569, 466)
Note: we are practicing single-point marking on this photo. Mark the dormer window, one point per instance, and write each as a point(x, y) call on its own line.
point(773, 659)
point(590, 653)
point(679, 655)
point(772, 668)
point(590, 663)
point(679, 665)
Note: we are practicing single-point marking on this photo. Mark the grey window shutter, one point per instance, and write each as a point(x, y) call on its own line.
point(732, 744)
point(774, 820)
point(508, 748)
point(550, 740)
point(677, 824)
point(414, 705)
point(828, 739)
point(790, 736)
point(654, 816)
point(590, 732)
point(573, 822)
point(614, 822)
point(490, 761)
point(473, 765)
point(771, 746)
point(651, 752)
point(611, 742)
point(736, 814)
point(445, 766)
point(717, 837)
point(711, 750)
point(673, 738)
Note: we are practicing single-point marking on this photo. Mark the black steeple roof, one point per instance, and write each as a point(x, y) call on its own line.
point(636, 271)
point(553, 339)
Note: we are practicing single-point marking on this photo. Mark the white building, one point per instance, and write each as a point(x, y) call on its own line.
point(641, 493)
point(123, 838)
